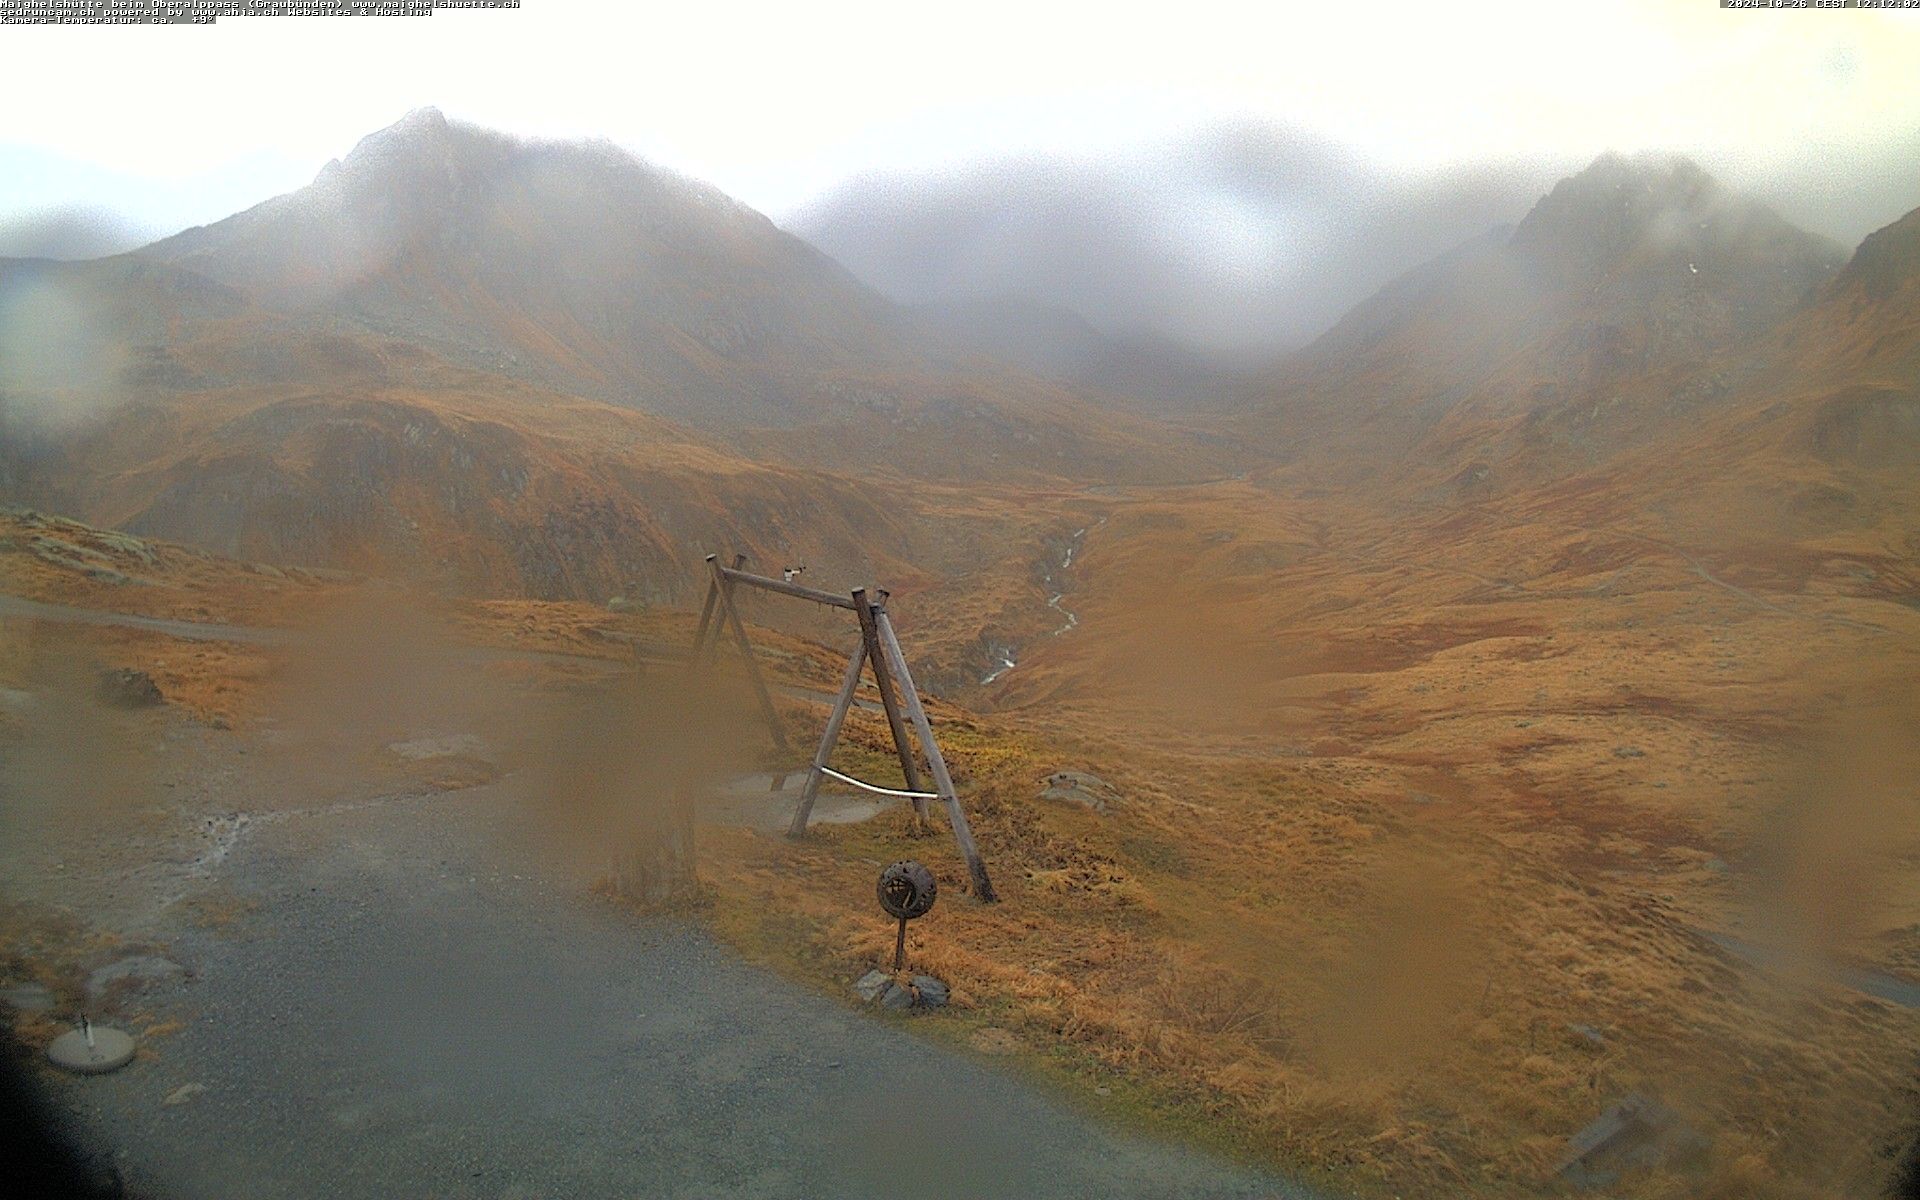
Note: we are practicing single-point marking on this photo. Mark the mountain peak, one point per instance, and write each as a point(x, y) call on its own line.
point(1618, 203)
point(424, 132)
point(1660, 212)
point(1646, 167)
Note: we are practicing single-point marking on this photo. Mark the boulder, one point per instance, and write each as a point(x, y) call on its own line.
point(869, 986)
point(1634, 1133)
point(1082, 788)
point(924, 992)
point(124, 687)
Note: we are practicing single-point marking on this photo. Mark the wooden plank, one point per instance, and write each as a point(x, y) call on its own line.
point(838, 716)
point(785, 588)
point(732, 617)
point(883, 680)
point(706, 619)
point(942, 780)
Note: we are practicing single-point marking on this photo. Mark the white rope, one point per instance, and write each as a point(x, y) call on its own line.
point(878, 790)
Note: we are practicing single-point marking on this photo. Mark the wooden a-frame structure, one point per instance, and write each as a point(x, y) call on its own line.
point(879, 649)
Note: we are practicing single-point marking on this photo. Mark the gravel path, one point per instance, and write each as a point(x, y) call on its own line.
point(393, 1016)
point(20, 607)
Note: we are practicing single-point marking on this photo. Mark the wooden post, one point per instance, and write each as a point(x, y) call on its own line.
point(883, 680)
point(834, 720)
point(732, 617)
point(942, 780)
point(706, 618)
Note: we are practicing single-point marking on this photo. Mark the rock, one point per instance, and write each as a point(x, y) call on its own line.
point(1629, 752)
point(624, 604)
point(183, 1093)
point(1635, 1132)
point(929, 992)
point(1588, 1034)
point(1079, 787)
point(453, 745)
point(143, 970)
point(869, 986)
point(15, 700)
point(895, 997)
point(1718, 866)
point(27, 997)
point(124, 687)
point(92, 1051)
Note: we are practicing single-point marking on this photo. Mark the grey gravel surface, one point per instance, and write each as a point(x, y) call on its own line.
point(395, 1014)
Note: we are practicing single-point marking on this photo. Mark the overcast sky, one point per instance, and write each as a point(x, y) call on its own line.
point(776, 103)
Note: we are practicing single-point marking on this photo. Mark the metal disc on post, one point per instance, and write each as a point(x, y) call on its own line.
point(91, 1049)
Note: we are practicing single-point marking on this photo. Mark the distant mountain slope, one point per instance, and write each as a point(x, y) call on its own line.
point(1563, 331)
point(1839, 383)
point(1144, 373)
point(70, 233)
point(1226, 246)
point(1867, 318)
point(148, 397)
point(579, 267)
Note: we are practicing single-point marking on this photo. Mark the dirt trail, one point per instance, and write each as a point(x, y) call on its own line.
point(199, 631)
point(1700, 569)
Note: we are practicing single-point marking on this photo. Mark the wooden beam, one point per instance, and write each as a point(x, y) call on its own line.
point(732, 617)
point(811, 791)
point(942, 780)
point(706, 618)
point(883, 680)
point(784, 588)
